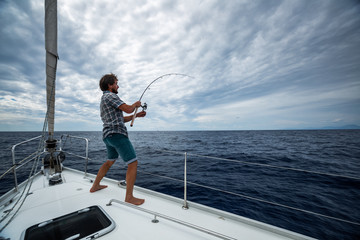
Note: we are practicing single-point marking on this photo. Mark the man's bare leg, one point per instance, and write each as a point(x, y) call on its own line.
point(130, 181)
point(101, 173)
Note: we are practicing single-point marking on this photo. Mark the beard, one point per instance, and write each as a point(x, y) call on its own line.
point(113, 89)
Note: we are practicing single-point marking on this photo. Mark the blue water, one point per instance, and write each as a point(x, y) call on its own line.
point(327, 151)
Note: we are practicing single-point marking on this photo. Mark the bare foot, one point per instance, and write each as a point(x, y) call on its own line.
point(134, 200)
point(97, 188)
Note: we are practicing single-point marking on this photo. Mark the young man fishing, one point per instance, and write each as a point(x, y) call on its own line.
point(115, 135)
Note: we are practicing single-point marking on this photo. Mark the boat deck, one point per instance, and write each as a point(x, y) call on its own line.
point(197, 222)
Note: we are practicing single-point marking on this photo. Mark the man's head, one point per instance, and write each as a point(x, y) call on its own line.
point(109, 82)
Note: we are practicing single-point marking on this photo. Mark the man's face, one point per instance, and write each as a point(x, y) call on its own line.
point(114, 87)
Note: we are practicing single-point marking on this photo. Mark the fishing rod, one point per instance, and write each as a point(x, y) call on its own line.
point(144, 107)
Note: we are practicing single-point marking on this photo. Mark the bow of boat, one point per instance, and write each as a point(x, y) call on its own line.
point(160, 217)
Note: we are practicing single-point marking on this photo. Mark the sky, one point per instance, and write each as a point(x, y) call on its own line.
point(254, 64)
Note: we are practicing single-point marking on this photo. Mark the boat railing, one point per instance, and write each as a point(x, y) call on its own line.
point(16, 165)
point(63, 140)
point(186, 183)
point(172, 219)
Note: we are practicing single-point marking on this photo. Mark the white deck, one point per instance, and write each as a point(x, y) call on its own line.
point(46, 203)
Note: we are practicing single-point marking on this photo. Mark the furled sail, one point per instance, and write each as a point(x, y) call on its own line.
point(51, 60)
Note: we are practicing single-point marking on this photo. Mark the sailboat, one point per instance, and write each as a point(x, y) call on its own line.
point(54, 202)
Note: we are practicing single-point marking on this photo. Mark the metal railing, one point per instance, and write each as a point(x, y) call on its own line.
point(86, 157)
point(185, 204)
point(41, 150)
point(186, 183)
point(23, 162)
point(156, 214)
point(34, 155)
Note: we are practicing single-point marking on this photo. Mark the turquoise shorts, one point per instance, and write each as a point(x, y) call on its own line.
point(118, 144)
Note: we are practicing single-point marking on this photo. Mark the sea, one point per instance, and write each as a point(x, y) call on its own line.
point(306, 181)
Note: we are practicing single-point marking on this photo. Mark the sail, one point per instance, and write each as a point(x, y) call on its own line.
point(51, 60)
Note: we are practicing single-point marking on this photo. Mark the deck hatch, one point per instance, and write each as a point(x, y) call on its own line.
point(87, 223)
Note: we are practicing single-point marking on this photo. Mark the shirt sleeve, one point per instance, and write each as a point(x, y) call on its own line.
point(115, 101)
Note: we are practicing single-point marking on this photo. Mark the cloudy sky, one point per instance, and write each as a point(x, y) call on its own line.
point(255, 64)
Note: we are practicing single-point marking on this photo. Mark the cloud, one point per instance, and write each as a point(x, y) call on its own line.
point(288, 106)
point(256, 64)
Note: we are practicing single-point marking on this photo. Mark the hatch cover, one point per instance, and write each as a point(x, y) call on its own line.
point(87, 223)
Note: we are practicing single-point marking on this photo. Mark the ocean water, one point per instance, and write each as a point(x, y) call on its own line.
point(246, 176)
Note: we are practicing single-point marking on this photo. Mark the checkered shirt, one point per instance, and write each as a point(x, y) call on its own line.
point(111, 115)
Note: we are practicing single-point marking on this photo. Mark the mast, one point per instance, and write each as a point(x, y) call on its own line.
point(51, 64)
point(51, 60)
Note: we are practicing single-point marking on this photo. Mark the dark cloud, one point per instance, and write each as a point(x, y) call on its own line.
point(276, 61)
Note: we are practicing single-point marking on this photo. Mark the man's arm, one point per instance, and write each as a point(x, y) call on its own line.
point(129, 118)
point(129, 108)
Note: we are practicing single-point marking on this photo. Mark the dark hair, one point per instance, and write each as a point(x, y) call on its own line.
point(106, 80)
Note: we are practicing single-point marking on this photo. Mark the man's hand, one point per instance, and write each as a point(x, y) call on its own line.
point(141, 114)
point(137, 104)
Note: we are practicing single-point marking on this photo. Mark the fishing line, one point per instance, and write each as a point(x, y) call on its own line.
point(144, 106)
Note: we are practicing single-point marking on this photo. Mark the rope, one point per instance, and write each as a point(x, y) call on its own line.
point(51, 101)
point(33, 169)
point(19, 163)
point(29, 180)
point(26, 187)
point(7, 171)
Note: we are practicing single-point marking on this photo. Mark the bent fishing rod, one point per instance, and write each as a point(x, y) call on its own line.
point(144, 106)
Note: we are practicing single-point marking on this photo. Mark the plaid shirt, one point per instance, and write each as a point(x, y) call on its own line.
point(111, 115)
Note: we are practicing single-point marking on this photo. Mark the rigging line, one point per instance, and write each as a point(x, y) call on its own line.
point(156, 175)
point(7, 171)
point(32, 172)
point(276, 204)
point(20, 164)
point(28, 157)
point(25, 187)
point(31, 157)
point(272, 166)
point(22, 202)
point(41, 145)
point(253, 198)
point(264, 165)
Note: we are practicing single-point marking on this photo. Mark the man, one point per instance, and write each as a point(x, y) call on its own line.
point(115, 135)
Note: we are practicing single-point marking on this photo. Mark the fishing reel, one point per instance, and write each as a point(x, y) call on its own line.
point(144, 107)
